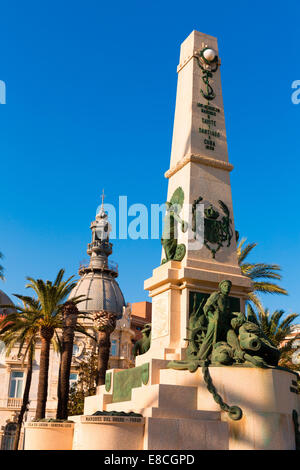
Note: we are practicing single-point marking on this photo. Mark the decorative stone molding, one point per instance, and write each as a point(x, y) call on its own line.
point(196, 158)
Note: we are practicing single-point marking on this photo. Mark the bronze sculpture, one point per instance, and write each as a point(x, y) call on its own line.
point(218, 336)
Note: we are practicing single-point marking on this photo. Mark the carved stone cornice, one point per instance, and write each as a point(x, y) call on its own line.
point(196, 158)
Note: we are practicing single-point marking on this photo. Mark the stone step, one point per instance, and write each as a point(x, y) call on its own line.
point(159, 396)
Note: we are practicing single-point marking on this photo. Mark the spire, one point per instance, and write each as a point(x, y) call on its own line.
point(101, 212)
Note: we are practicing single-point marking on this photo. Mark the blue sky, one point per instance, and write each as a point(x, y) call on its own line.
point(91, 90)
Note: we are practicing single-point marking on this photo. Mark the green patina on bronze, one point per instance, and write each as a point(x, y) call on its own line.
point(173, 250)
point(216, 231)
point(197, 298)
point(219, 336)
point(219, 333)
point(127, 379)
point(108, 381)
point(143, 344)
point(234, 412)
point(118, 413)
point(208, 68)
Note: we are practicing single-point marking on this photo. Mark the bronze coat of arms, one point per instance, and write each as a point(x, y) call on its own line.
point(217, 227)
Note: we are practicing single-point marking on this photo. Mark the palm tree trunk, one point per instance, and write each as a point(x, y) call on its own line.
point(58, 410)
point(103, 355)
point(70, 313)
point(43, 378)
point(25, 399)
point(64, 378)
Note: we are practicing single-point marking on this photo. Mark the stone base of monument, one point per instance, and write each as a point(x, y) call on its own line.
point(108, 433)
point(181, 414)
point(48, 436)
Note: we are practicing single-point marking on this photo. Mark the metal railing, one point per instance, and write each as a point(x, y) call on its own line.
point(100, 243)
point(110, 265)
point(14, 402)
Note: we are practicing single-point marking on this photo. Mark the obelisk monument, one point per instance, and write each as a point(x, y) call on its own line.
point(199, 177)
point(223, 395)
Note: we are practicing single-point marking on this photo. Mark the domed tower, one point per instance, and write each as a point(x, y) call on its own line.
point(98, 279)
point(98, 285)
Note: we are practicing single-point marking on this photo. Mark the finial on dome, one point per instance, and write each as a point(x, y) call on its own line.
point(102, 214)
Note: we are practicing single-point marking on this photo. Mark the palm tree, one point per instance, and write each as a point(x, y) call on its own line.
point(105, 323)
point(50, 302)
point(19, 329)
point(42, 318)
point(70, 316)
point(69, 320)
point(276, 327)
point(258, 273)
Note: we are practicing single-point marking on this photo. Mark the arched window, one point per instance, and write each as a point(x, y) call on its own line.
point(8, 437)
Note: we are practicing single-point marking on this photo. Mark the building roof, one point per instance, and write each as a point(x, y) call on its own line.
point(142, 310)
point(103, 292)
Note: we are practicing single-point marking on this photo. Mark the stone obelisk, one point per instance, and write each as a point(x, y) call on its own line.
point(199, 178)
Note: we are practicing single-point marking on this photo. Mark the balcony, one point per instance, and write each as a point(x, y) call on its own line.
point(111, 265)
point(14, 402)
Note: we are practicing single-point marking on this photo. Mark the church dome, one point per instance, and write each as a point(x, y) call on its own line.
point(5, 300)
point(103, 293)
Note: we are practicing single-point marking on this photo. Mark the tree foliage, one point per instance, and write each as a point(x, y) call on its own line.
point(277, 327)
point(86, 384)
point(261, 274)
point(43, 317)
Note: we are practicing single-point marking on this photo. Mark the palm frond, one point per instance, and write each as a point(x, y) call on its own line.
point(256, 301)
point(243, 252)
point(269, 288)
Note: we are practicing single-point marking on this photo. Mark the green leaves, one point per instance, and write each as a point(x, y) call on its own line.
point(51, 296)
point(260, 274)
point(276, 326)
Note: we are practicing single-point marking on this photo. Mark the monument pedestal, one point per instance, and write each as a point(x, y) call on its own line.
point(171, 287)
point(181, 414)
point(48, 436)
point(108, 433)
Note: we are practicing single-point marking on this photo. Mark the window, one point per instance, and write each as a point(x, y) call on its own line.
point(75, 349)
point(16, 384)
point(113, 349)
point(2, 352)
point(73, 379)
point(9, 436)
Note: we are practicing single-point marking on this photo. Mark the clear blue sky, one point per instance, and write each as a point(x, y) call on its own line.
point(91, 92)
